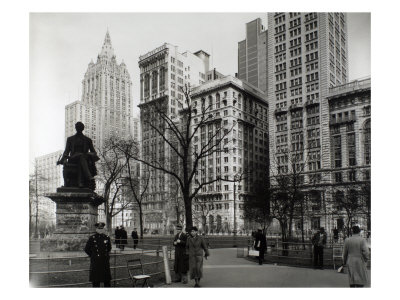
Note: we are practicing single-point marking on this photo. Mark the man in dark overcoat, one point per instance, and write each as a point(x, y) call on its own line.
point(117, 234)
point(98, 248)
point(319, 242)
point(135, 238)
point(123, 235)
point(260, 244)
point(181, 264)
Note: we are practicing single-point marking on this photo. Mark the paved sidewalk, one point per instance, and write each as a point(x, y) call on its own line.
point(224, 269)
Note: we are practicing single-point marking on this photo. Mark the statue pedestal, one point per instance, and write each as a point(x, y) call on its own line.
point(76, 214)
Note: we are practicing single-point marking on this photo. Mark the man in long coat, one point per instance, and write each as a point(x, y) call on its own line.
point(135, 238)
point(355, 256)
point(260, 244)
point(123, 235)
point(98, 248)
point(181, 264)
point(319, 242)
point(196, 245)
point(117, 233)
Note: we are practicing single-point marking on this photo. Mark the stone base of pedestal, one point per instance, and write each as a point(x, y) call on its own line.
point(64, 242)
point(76, 214)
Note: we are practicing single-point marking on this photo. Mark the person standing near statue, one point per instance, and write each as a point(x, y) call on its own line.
point(260, 244)
point(196, 246)
point(98, 248)
point(135, 238)
point(123, 235)
point(117, 236)
point(181, 263)
point(79, 150)
point(319, 242)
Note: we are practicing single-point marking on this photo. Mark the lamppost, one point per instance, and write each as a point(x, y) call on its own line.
point(237, 177)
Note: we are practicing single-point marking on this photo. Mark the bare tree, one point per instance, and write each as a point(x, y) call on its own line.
point(138, 185)
point(36, 181)
point(257, 208)
point(348, 199)
point(111, 167)
point(178, 134)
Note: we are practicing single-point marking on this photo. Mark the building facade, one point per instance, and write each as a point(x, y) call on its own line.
point(47, 177)
point(252, 55)
point(164, 72)
point(307, 73)
point(239, 111)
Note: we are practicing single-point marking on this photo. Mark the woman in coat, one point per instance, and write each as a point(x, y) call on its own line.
point(195, 246)
point(355, 256)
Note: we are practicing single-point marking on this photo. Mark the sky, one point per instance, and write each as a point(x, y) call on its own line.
point(61, 45)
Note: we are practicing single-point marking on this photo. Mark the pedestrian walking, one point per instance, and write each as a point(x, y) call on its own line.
point(123, 238)
point(335, 235)
point(98, 248)
point(319, 242)
point(117, 237)
point(181, 263)
point(260, 244)
point(196, 246)
point(355, 257)
point(135, 238)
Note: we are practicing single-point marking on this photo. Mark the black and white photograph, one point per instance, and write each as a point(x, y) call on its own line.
point(200, 149)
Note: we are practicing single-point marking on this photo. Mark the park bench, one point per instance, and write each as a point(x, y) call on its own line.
point(136, 272)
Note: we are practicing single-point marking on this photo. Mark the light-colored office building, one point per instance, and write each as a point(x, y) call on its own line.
point(164, 71)
point(238, 113)
point(308, 93)
point(46, 178)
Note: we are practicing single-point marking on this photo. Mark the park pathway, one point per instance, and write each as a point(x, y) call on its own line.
point(224, 269)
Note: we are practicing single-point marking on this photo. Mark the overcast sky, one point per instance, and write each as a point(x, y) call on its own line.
point(63, 44)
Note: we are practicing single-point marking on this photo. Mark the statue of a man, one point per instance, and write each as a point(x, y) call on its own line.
point(79, 150)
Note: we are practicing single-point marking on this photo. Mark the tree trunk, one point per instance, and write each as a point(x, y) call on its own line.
point(188, 211)
point(141, 220)
point(283, 225)
point(302, 224)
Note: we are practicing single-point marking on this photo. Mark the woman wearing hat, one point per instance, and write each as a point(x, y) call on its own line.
point(196, 246)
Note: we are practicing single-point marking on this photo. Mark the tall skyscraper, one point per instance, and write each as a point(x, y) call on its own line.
point(106, 106)
point(163, 72)
point(252, 55)
point(307, 55)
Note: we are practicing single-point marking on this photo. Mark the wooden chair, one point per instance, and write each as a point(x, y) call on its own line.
point(136, 272)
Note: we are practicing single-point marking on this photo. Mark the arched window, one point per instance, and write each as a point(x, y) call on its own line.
point(367, 142)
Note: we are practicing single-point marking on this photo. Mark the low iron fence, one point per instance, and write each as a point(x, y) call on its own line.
point(71, 269)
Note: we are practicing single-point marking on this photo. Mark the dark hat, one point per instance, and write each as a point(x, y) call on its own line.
point(194, 228)
point(100, 225)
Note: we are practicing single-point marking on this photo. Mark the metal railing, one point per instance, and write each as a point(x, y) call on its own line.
point(52, 270)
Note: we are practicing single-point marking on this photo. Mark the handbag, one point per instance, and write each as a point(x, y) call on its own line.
point(254, 253)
